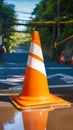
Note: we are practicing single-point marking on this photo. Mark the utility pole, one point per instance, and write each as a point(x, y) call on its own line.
point(0, 41)
point(54, 43)
point(58, 16)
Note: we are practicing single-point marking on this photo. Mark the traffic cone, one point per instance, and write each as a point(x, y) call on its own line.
point(35, 91)
point(35, 119)
point(62, 59)
point(72, 60)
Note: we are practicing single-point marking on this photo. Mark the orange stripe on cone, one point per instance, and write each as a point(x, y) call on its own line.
point(35, 91)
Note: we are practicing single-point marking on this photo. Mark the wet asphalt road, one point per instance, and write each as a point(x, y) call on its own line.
point(12, 71)
point(13, 66)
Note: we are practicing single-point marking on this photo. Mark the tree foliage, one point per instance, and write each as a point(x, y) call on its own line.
point(7, 16)
point(56, 10)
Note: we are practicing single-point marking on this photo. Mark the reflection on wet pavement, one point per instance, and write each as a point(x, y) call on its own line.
point(28, 120)
point(37, 119)
point(15, 123)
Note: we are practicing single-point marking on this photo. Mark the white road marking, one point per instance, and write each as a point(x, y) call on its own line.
point(57, 68)
point(16, 79)
point(61, 85)
point(67, 79)
point(12, 68)
point(63, 77)
point(13, 80)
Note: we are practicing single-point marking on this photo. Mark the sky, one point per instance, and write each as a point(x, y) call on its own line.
point(23, 6)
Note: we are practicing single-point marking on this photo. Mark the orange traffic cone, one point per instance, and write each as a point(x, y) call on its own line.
point(72, 61)
point(62, 59)
point(35, 119)
point(35, 91)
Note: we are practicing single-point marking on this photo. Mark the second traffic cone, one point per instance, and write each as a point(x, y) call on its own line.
point(62, 59)
point(35, 91)
point(71, 61)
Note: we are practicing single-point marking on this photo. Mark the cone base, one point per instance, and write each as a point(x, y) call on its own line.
point(21, 102)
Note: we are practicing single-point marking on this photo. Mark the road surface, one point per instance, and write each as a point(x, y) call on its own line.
point(12, 71)
point(60, 77)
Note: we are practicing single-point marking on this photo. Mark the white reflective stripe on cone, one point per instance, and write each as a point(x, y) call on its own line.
point(62, 58)
point(36, 50)
point(36, 64)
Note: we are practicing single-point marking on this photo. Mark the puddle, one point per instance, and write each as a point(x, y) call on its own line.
point(35, 119)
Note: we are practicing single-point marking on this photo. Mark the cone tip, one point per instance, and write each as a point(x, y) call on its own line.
point(35, 33)
point(36, 38)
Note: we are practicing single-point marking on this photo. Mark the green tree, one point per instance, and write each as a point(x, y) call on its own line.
point(57, 10)
point(7, 16)
point(20, 39)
